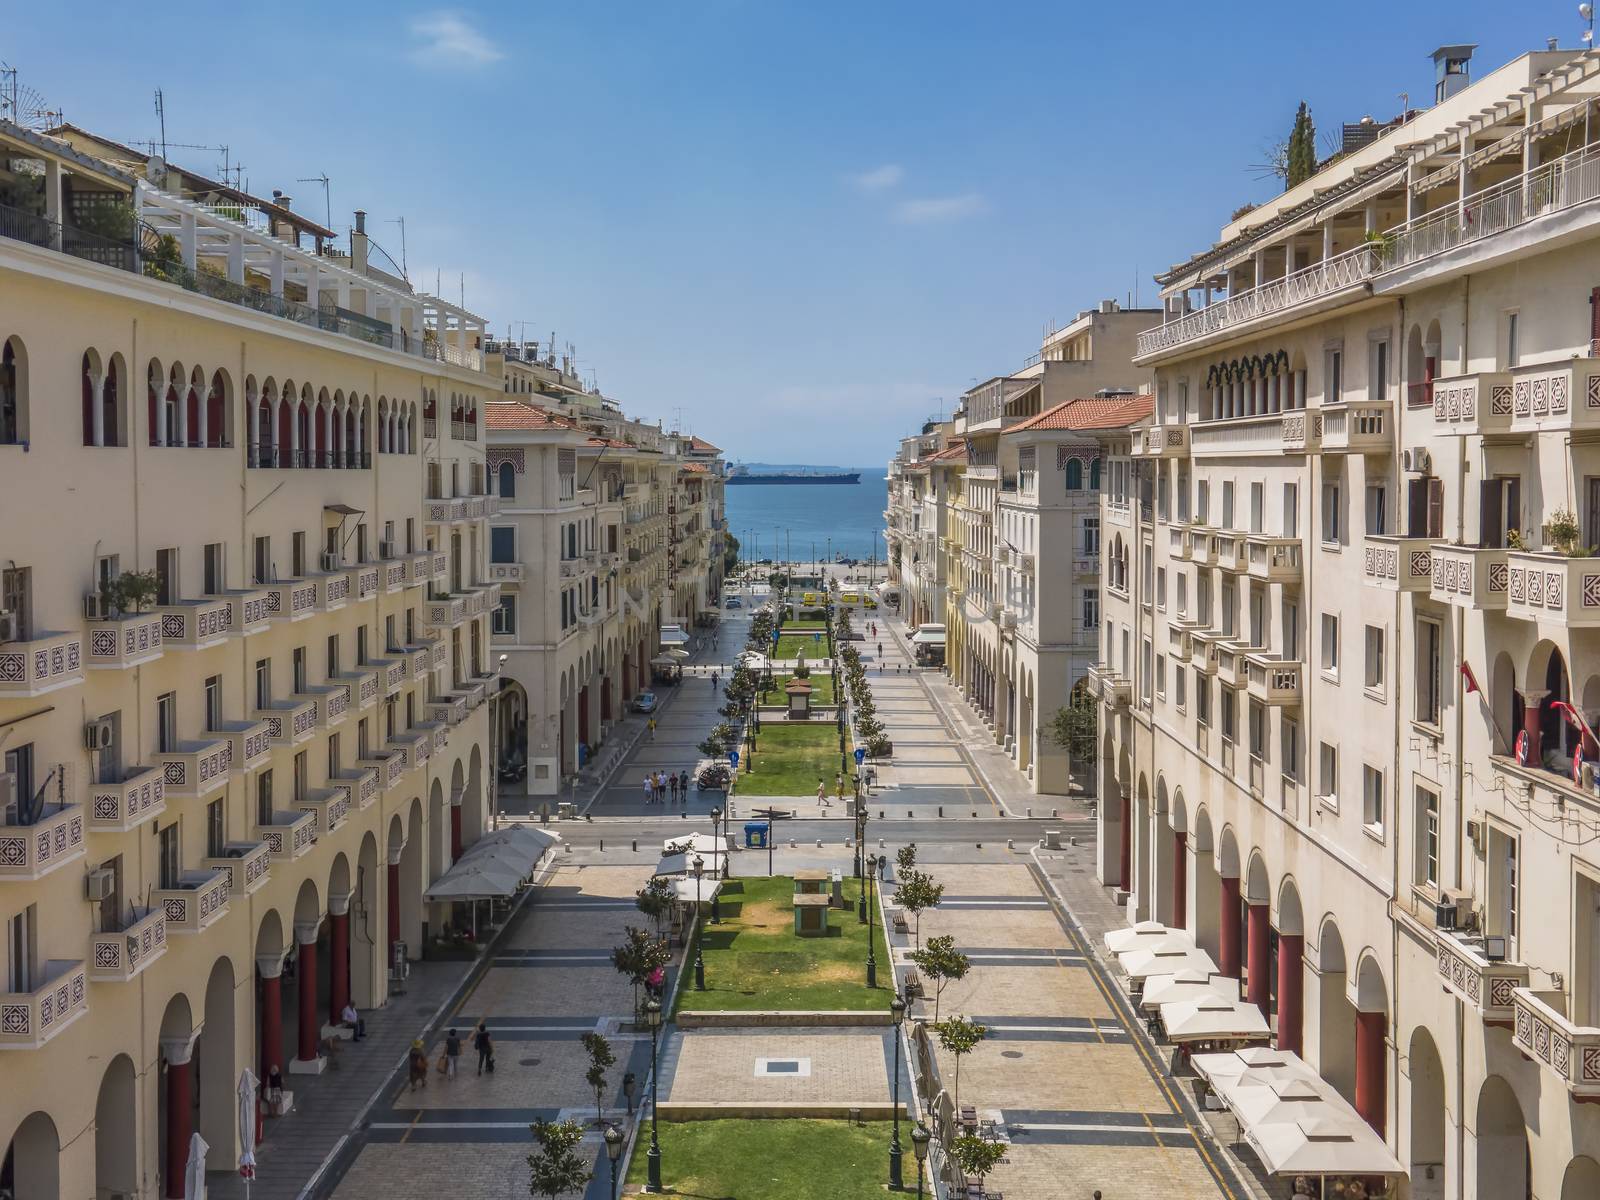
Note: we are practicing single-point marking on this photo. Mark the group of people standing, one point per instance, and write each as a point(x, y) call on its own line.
point(663, 787)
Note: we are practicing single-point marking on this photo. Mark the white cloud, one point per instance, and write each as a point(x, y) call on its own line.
point(445, 38)
point(879, 179)
point(934, 209)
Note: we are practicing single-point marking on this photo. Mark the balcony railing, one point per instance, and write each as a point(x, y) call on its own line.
point(288, 835)
point(1552, 588)
point(1273, 680)
point(124, 641)
point(288, 722)
point(329, 703)
point(118, 955)
point(37, 230)
point(1470, 576)
point(196, 769)
point(1542, 1030)
point(507, 572)
point(196, 624)
point(197, 902)
point(1485, 984)
point(120, 806)
point(51, 841)
point(1115, 691)
point(246, 864)
point(328, 807)
point(1397, 563)
point(1292, 432)
point(30, 1019)
point(363, 685)
point(1275, 559)
point(42, 663)
point(1364, 428)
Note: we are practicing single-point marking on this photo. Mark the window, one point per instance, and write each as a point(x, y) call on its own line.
point(1372, 798)
point(1429, 636)
point(1291, 630)
point(216, 573)
point(263, 560)
point(299, 670)
point(503, 544)
point(1502, 910)
point(13, 409)
point(1328, 775)
point(1202, 699)
point(1146, 670)
point(1330, 644)
point(1378, 384)
point(508, 479)
point(1289, 740)
point(1161, 676)
point(1074, 475)
point(1291, 510)
point(263, 683)
point(505, 616)
point(333, 751)
point(1161, 588)
point(1513, 348)
point(297, 553)
point(333, 655)
point(1257, 507)
point(216, 828)
point(167, 583)
point(21, 930)
point(1425, 507)
point(1332, 527)
point(1202, 591)
point(1374, 672)
point(1227, 504)
point(170, 867)
point(361, 645)
point(1091, 537)
point(213, 703)
point(1202, 502)
point(1377, 508)
point(167, 723)
point(1230, 608)
point(1258, 731)
point(1183, 593)
point(1333, 375)
point(1091, 608)
point(1427, 837)
point(300, 777)
point(1180, 685)
point(1228, 714)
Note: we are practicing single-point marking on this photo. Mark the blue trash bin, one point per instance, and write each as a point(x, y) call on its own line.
point(755, 835)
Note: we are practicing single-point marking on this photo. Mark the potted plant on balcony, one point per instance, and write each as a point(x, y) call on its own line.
point(1564, 537)
point(135, 589)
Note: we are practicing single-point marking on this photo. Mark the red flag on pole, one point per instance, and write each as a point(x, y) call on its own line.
point(1472, 680)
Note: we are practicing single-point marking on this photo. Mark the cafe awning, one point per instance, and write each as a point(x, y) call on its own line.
point(1118, 940)
point(495, 866)
point(1212, 1017)
point(692, 843)
point(1186, 985)
point(929, 637)
point(1165, 942)
point(673, 635)
point(1141, 964)
point(683, 864)
point(684, 889)
point(663, 660)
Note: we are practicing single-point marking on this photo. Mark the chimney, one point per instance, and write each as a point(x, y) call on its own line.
point(1108, 306)
point(280, 227)
point(358, 244)
point(1450, 71)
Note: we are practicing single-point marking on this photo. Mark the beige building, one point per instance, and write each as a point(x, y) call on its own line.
point(630, 521)
point(1349, 589)
point(244, 652)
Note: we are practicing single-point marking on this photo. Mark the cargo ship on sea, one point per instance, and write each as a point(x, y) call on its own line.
point(742, 474)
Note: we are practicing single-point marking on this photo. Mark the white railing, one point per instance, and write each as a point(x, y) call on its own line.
point(1321, 279)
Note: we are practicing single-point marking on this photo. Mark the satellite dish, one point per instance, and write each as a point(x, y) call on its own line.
point(155, 170)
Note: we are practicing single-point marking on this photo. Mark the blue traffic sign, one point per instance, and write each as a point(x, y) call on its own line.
point(733, 757)
point(860, 754)
point(774, 637)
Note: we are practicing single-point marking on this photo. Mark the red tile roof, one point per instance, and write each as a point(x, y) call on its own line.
point(695, 468)
point(609, 443)
point(700, 446)
point(1098, 412)
point(509, 414)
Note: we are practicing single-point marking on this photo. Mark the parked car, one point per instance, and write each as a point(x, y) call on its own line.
point(644, 702)
point(735, 602)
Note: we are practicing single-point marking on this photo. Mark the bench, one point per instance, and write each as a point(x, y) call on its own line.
point(900, 925)
point(913, 984)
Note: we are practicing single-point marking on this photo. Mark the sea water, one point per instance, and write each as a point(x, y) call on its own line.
point(783, 520)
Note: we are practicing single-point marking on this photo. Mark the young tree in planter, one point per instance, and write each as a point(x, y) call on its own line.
point(654, 900)
point(941, 962)
point(557, 1168)
point(600, 1057)
point(976, 1156)
point(960, 1037)
point(916, 892)
point(639, 954)
point(906, 857)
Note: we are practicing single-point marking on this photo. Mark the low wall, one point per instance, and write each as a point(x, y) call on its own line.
point(760, 1019)
point(776, 1110)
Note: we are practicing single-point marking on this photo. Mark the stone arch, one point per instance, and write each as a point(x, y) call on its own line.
point(1503, 701)
point(176, 1090)
point(308, 905)
point(1504, 1167)
point(1288, 919)
point(1336, 1051)
point(1228, 862)
point(1433, 341)
point(219, 410)
point(411, 879)
point(1581, 1180)
point(1548, 680)
point(218, 1119)
point(368, 933)
point(1178, 812)
point(506, 481)
point(91, 376)
point(1425, 1157)
point(1143, 883)
point(1257, 885)
point(116, 1138)
point(33, 1159)
point(474, 817)
point(271, 948)
point(1204, 913)
point(14, 425)
point(194, 400)
point(439, 818)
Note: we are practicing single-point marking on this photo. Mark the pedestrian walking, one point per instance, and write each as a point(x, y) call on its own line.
point(822, 795)
point(417, 1065)
point(661, 787)
point(652, 729)
point(649, 789)
point(482, 1043)
point(672, 787)
point(452, 1052)
point(880, 649)
point(683, 785)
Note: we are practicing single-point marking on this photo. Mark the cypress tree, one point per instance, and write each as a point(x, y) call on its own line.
point(1301, 160)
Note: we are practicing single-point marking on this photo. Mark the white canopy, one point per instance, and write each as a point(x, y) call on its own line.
point(1187, 985)
point(697, 843)
point(495, 865)
point(684, 889)
point(673, 635)
point(1212, 1017)
point(1334, 1145)
point(754, 660)
point(683, 864)
point(674, 653)
point(1166, 942)
point(1141, 964)
point(1118, 940)
point(932, 637)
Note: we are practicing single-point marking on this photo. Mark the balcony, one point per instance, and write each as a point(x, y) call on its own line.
point(295, 599)
point(117, 807)
point(328, 807)
point(1274, 681)
point(490, 594)
point(363, 685)
point(246, 864)
point(1484, 984)
point(1161, 441)
point(1553, 589)
point(419, 568)
point(1203, 650)
point(52, 841)
point(43, 663)
point(1230, 660)
point(125, 641)
point(1364, 428)
point(329, 703)
point(502, 572)
point(360, 785)
point(450, 710)
point(1115, 691)
point(30, 1019)
point(288, 722)
point(1541, 1030)
point(1471, 576)
point(118, 955)
point(1275, 559)
point(1201, 551)
point(1397, 564)
point(289, 835)
point(393, 572)
point(392, 674)
point(250, 744)
point(386, 764)
point(1311, 288)
point(196, 769)
point(446, 612)
point(1228, 551)
point(414, 745)
point(444, 510)
point(197, 624)
point(367, 576)
point(1264, 434)
point(198, 902)
point(438, 734)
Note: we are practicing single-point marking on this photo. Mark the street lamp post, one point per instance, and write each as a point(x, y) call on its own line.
point(716, 816)
point(897, 1011)
point(699, 956)
point(613, 1152)
point(919, 1146)
point(872, 961)
point(652, 1016)
point(861, 850)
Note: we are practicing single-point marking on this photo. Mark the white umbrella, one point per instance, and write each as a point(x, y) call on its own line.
point(1196, 1020)
point(698, 843)
point(1159, 943)
point(1335, 1145)
point(1118, 940)
point(1187, 985)
point(194, 1174)
point(753, 660)
point(1142, 964)
point(247, 1126)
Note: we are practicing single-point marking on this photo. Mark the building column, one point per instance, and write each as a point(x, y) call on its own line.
point(1371, 1091)
point(1258, 949)
point(1530, 722)
point(307, 1061)
point(1125, 852)
point(178, 1054)
point(1228, 938)
point(339, 956)
point(97, 414)
point(270, 967)
point(394, 897)
point(1291, 985)
point(455, 828)
point(1180, 880)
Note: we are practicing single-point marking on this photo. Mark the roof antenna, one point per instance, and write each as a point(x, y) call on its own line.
point(161, 115)
point(327, 196)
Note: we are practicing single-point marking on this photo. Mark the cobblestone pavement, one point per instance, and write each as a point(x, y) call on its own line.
point(833, 1066)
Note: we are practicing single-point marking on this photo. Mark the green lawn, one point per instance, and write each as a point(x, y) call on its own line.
point(772, 1160)
point(797, 626)
point(790, 645)
point(821, 690)
point(754, 959)
point(790, 757)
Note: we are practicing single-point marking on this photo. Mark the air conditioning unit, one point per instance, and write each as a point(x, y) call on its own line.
point(99, 884)
point(98, 735)
point(95, 607)
point(330, 560)
point(9, 626)
point(1417, 461)
point(1445, 913)
point(386, 549)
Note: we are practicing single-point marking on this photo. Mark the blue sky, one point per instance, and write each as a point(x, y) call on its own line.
point(803, 226)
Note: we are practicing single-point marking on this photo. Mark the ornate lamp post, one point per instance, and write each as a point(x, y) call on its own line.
point(861, 850)
point(716, 817)
point(699, 957)
point(614, 1141)
point(897, 1011)
point(652, 1016)
point(919, 1146)
point(872, 961)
